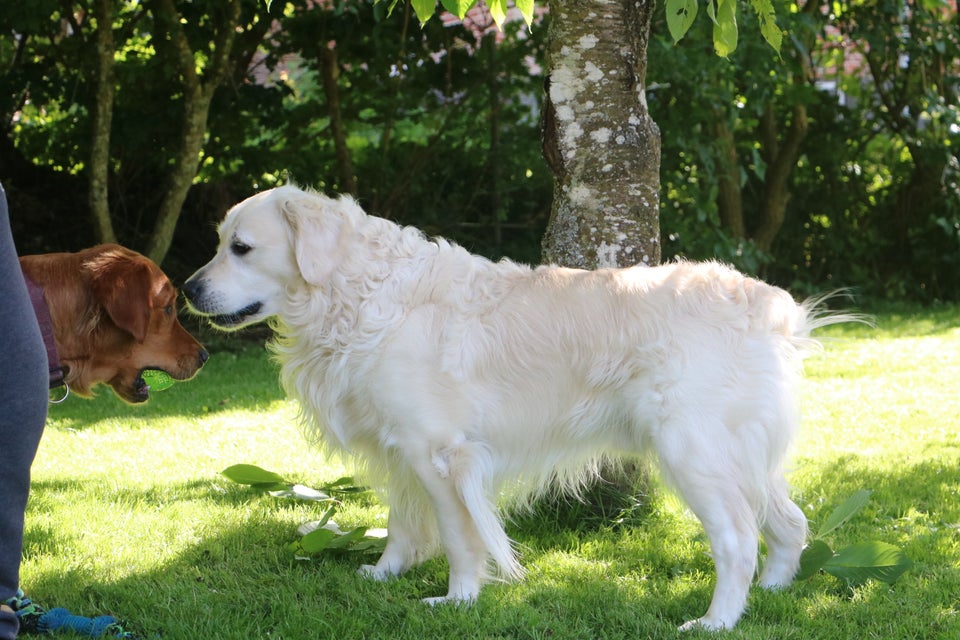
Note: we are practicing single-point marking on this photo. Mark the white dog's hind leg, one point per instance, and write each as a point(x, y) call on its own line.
point(734, 556)
point(710, 482)
point(785, 532)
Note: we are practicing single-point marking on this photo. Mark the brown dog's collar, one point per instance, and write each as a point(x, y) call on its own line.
point(42, 312)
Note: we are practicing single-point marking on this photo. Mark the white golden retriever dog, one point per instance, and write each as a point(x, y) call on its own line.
point(454, 379)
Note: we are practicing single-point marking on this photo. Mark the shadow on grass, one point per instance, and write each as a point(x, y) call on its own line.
point(601, 505)
point(241, 380)
point(917, 509)
point(639, 579)
point(215, 490)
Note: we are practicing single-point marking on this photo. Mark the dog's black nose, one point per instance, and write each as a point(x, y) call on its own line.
point(203, 356)
point(192, 289)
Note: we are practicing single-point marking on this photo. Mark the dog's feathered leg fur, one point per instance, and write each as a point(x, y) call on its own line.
point(471, 467)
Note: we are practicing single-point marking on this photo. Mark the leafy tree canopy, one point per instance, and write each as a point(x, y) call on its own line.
point(442, 127)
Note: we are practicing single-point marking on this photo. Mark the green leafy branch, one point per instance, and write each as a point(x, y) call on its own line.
point(857, 563)
point(723, 13)
point(424, 9)
point(322, 536)
point(680, 17)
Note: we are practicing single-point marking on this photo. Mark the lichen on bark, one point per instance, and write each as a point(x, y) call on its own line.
point(598, 137)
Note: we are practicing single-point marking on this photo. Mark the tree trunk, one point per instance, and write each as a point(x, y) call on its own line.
point(98, 195)
point(604, 150)
point(729, 192)
point(917, 195)
point(781, 156)
point(197, 95)
point(492, 170)
point(331, 91)
point(598, 137)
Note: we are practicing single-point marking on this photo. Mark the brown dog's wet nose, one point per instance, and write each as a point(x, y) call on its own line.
point(202, 357)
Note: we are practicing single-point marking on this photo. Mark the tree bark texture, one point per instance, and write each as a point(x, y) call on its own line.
point(781, 152)
point(99, 193)
point(198, 90)
point(598, 137)
point(331, 89)
point(492, 170)
point(729, 192)
point(780, 148)
point(781, 144)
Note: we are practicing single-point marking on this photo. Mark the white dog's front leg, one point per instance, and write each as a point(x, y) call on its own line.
point(397, 557)
point(411, 530)
point(462, 590)
point(466, 573)
point(462, 544)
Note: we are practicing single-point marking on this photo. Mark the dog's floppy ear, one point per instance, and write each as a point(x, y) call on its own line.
point(121, 285)
point(316, 233)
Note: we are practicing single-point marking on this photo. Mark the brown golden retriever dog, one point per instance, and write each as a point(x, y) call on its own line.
point(114, 315)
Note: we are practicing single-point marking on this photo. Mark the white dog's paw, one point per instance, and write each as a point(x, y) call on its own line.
point(777, 577)
point(370, 572)
point(705, 624)
point(773, 583)
point(449, 599)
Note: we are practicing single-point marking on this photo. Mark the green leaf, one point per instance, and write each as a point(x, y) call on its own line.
point(317, 540)
point(253, 475)
point(424, 9)
point(725, 31)
point(680, 15)
point(369, 545)
point(498, 11)
point(325, 518)
point(712, 11)
point(339, 482)
point(345, 485)
point(868, 560)
point(347, 538)
point(850, 507)
point(768, 23)
point(526, 10)
point(814, 556)
point(458, 8)
point(391, 4)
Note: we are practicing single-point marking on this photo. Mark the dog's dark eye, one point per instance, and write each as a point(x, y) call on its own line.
point(168, 309)
point(238, 248)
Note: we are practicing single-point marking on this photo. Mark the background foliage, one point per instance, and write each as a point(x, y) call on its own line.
point(440, 128)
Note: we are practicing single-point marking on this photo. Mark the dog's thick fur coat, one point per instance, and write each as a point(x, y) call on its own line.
point(114, 315)
point(455, 379)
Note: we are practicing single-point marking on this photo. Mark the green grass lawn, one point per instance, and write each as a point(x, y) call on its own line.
point(129, 514)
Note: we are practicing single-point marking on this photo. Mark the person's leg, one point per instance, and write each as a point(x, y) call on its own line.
point(24, 382)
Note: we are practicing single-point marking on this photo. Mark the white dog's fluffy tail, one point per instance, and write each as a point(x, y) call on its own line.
point(814, 314)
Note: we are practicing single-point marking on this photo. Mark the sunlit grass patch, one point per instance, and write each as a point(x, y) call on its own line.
point(130, 514)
